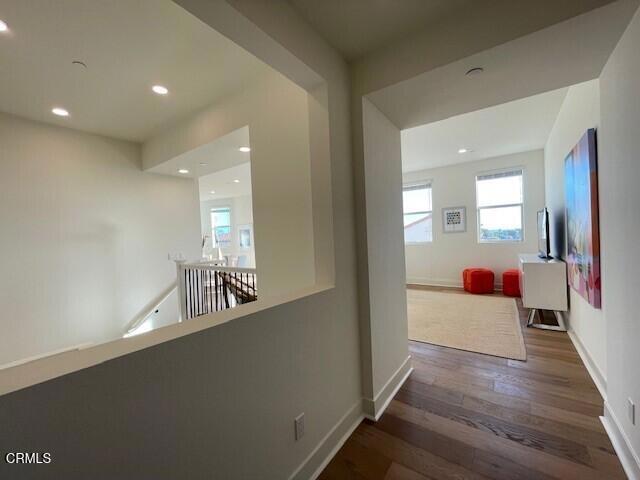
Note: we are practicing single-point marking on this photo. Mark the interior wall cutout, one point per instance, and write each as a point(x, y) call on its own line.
point(282, 196)
point(293, 223)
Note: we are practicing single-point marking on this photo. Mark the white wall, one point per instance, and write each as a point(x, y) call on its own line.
point(619, 180)
point(387, 300)
point(277, 113)
point(441, 262)
point(85, 236)
point(579, 112)
point(241, 214)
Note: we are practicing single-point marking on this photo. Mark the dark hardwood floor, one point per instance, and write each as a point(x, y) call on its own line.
point(464, 415)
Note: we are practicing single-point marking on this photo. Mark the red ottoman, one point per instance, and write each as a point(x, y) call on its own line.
point(477, 280)
point(511, 283)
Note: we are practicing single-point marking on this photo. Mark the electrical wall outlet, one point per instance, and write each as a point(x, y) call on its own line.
point(299, 426)
point(631, 410)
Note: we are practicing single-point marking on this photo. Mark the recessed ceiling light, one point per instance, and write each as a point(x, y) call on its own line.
point(61, 112)
point(463, 150)
point(475, 71)
point(236, 181)
point(183, 170)
point(160, 90)
point(212, 192)
point(3, 26)
point(244, 149)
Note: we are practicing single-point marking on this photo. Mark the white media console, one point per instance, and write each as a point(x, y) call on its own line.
point(543, 284)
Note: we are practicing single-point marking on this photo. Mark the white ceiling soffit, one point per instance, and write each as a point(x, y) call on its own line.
point(128, 46)
point(518, 126)
point(558, 56)
point(224, 184)
point(212, 157)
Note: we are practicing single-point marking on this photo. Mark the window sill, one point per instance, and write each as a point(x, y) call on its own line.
point(499, 242)
point(38, 370)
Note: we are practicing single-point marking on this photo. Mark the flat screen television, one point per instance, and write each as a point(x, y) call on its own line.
point(544, 245)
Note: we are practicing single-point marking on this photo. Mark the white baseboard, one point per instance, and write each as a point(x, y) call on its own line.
point(327, 448)
point(324, 452)
point(374, 407)
point(442, 283)
point(628, 457)
point(433, 282)
point(595, 373)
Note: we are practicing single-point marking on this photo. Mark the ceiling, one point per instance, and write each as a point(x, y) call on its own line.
point(128, 46)
point(222, 182)
point(564, 54)
point(359, 27)
point(220, 154)
point(513, 127)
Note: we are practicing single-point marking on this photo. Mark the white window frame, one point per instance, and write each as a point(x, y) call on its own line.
point(221, 207)
point(521, 205)
point(415, 186)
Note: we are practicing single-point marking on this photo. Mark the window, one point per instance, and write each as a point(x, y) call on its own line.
point(499, 198)
point(221, 227)
point(418, 221)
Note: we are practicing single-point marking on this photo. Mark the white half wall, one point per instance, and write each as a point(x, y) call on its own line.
point(85, 236)
point(441, 262)
point(579, 112)
point(387, 302)
point(619, 180)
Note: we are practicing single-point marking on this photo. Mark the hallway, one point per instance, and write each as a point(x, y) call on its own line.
point(467, 415)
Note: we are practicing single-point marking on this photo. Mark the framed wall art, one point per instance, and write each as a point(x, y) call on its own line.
point(454, 219)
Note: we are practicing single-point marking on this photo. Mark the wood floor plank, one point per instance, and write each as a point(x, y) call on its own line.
point(464, 415)
point(443, 446)
point(607, 463)
point(374, 468)
point(561, 429)
point(574, 418)
point(548, 399)
point(415, 458)
point(434, 391)
point(512, 452)
point(400, 472)
point(523, 435)
point(582, 392)
point(541, 381)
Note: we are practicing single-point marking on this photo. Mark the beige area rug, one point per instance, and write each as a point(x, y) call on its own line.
point(476, 323)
